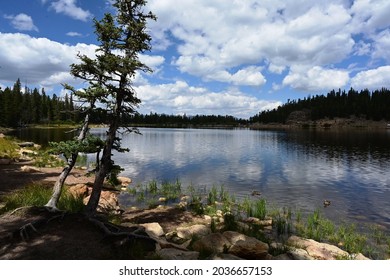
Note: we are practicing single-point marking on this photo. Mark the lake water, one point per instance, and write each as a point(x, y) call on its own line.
point(297, 169)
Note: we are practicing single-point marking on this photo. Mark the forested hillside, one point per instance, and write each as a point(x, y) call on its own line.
point(19, 108)
point(373, 105)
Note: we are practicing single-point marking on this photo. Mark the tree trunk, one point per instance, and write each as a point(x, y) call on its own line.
point(105, 162)
point(101, 173)
point(59, 184)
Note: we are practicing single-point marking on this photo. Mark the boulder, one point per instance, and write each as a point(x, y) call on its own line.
point(246, 247)
point(124, 181)
point(153, 229)
point(192, 231)
point(317, 250)
point(26, 144)
point(176, 254)
point(108, 202)
point(212, 243)
point(257, 221)
point(79, 190)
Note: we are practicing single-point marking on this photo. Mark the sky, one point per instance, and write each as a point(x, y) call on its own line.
point(236, 57)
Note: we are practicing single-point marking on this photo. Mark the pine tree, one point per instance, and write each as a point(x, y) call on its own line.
point(122, 37)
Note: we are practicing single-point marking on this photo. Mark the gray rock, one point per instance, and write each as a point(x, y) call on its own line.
point(212, 243)
point(299, 254)
point(248, 248)
point(317, 250)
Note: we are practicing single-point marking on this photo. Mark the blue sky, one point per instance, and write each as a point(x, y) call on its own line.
point(210, 56)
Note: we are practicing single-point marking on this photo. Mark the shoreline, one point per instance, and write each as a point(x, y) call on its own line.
point(352, 124)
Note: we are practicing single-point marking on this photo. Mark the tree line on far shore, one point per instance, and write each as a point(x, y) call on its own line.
point(370, 105)
point(21, 108)
point(25, 107)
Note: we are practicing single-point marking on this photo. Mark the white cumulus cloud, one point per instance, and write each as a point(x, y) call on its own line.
point(22, 22)
point(70, 8)
point(372, 79)
point(316, 78)
point(180, 98)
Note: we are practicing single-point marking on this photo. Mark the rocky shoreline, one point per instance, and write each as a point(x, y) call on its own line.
point(298, 122)
point(192, 238)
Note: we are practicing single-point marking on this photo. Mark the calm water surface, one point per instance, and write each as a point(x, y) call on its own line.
point(297, 169)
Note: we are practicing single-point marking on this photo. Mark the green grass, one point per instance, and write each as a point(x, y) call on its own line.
point(254, 208)
point(39, 195)
point(8, 148)
point(45, 159)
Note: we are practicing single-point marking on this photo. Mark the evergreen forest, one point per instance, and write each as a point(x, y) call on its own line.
point(20, 108)
point(364, 104)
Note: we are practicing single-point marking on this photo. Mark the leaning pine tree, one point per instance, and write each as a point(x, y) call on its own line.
point(84, 143)
point(122, 37)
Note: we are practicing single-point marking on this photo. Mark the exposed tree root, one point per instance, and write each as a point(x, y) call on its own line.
point(134, 237)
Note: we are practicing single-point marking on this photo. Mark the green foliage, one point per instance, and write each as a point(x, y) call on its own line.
point(91, 144)
point(212, 197)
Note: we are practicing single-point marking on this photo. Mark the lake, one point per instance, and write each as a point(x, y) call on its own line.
point(297, 169)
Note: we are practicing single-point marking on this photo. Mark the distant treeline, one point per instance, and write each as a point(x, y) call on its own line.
point(164, 120)
point(373, 105)
point(20, 108)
